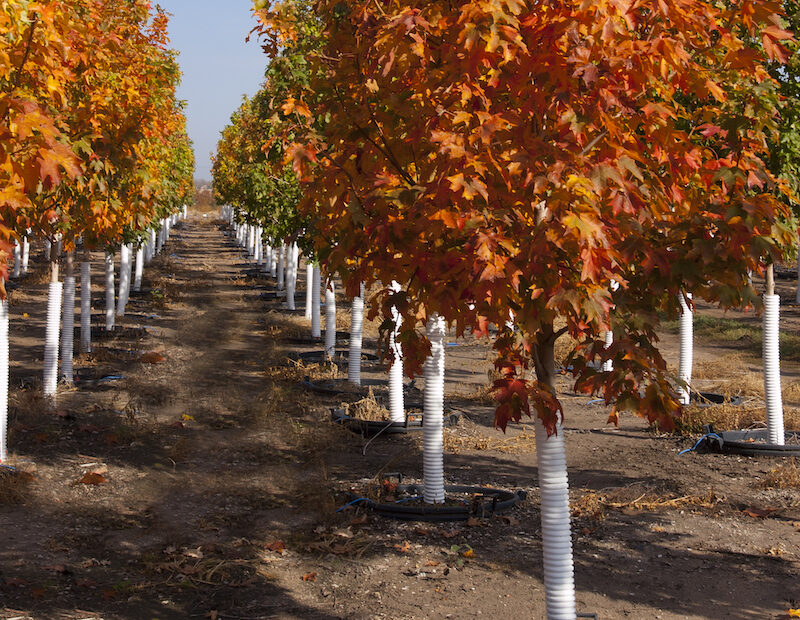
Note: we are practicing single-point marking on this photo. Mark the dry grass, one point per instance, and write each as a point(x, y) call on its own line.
point(295, 371)
point(455, 443)
point(783, 476)
point(728, 417)
point(637, 498)
point(368, 408)
point(14, 486)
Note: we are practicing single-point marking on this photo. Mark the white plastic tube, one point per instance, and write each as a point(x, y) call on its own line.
point(259, 246)
point(397, 408)
point(86, 306)
point(608, 365)
point(50, 380)
point(110, 305)
point(68, 326)
point(282, 267)
point(185, 211)
point(17, 260)
point(309, 289)
point(433, 416)
point(124, 278)
point(356, 336)
point(330, 320)
point(291, 277)
point(3, 380)
point(316, 330)
point(26, 253)
point(273, 261)
point(251, 243)
point(772, 370)
point(559, 573)
point(137, 278)
point(686, 347)
point(160, 239)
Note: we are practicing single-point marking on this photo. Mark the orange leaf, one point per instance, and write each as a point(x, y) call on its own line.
point(92, 477)
point(310, 577)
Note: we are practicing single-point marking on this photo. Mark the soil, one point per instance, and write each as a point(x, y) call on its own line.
point(220, 479)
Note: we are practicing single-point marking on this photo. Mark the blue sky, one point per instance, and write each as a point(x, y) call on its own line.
point(218, 66)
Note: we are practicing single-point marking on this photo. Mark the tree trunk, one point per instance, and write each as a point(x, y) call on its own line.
point(772, 364)
point(397, 408)
point(3, 380)
point(356, 334)
point(433, 415)
point(559, 574)
point(55, 290)
point(110, 303)
point(68, 320)
point(86, 303)
point(316, 330)
point(330, 320)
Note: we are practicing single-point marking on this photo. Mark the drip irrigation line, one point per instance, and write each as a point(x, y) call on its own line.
point(699, 442)
point(366, 445)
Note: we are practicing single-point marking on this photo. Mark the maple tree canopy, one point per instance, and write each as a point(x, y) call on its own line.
point(92, 138)
point(509, 156)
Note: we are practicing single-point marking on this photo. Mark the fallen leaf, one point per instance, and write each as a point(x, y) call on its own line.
point(310, 577)
point(153, 357)
point(363, 519)
point(474, 522)
point(432, 563)
point(404, 548)
point(276, 546)
point(93, 477)
point(509, 520)
point(469, 553)
point(758, 513)
point(794, 613)
point(421, 531)
point(389, 486)
point(25, 315)
point(187, 418)
point(450, 533)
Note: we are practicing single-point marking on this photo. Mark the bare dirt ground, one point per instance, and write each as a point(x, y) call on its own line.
point(220, 476)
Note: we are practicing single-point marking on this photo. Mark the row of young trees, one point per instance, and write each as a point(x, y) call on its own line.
point(547, 168)
point(93, 145)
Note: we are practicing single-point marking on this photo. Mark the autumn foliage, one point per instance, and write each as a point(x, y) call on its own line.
point(519, 157)
point(92, 137)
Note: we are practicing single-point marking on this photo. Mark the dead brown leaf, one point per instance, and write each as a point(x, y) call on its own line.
point(93, 477)
point(403, 548)
point(758, 513)
point(153, 357)
point(310, 577)
point(450, 533)
point(277, 546)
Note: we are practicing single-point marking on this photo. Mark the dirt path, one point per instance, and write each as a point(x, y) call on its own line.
point(223, 476)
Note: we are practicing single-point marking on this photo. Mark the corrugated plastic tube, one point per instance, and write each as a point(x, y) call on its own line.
point(251, 240)
point(559, 573)
point(291, 278)
point(137, 278)
point(273, 261)
point(124, 278)
point(316, 330)
point(259, 246)
point(110, 305)
point(686, 348)
point(433, 414)
point(26, 253)
point(330, 320)
point(50, 380)
point(309, 292)
point(86, 306)
point(772, 370)
point(160, 239)
point(3, 380)
point(356, 336)
point(608, 365)
point(17, 260)
point(68, 324)
point(397, 407)
point(282, 267)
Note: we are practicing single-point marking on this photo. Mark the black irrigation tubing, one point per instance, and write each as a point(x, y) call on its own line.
point(341, 354)
point(369, 428)
point(303, 340)
point(485, 502)
point(748, 443)
point(706, 399)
